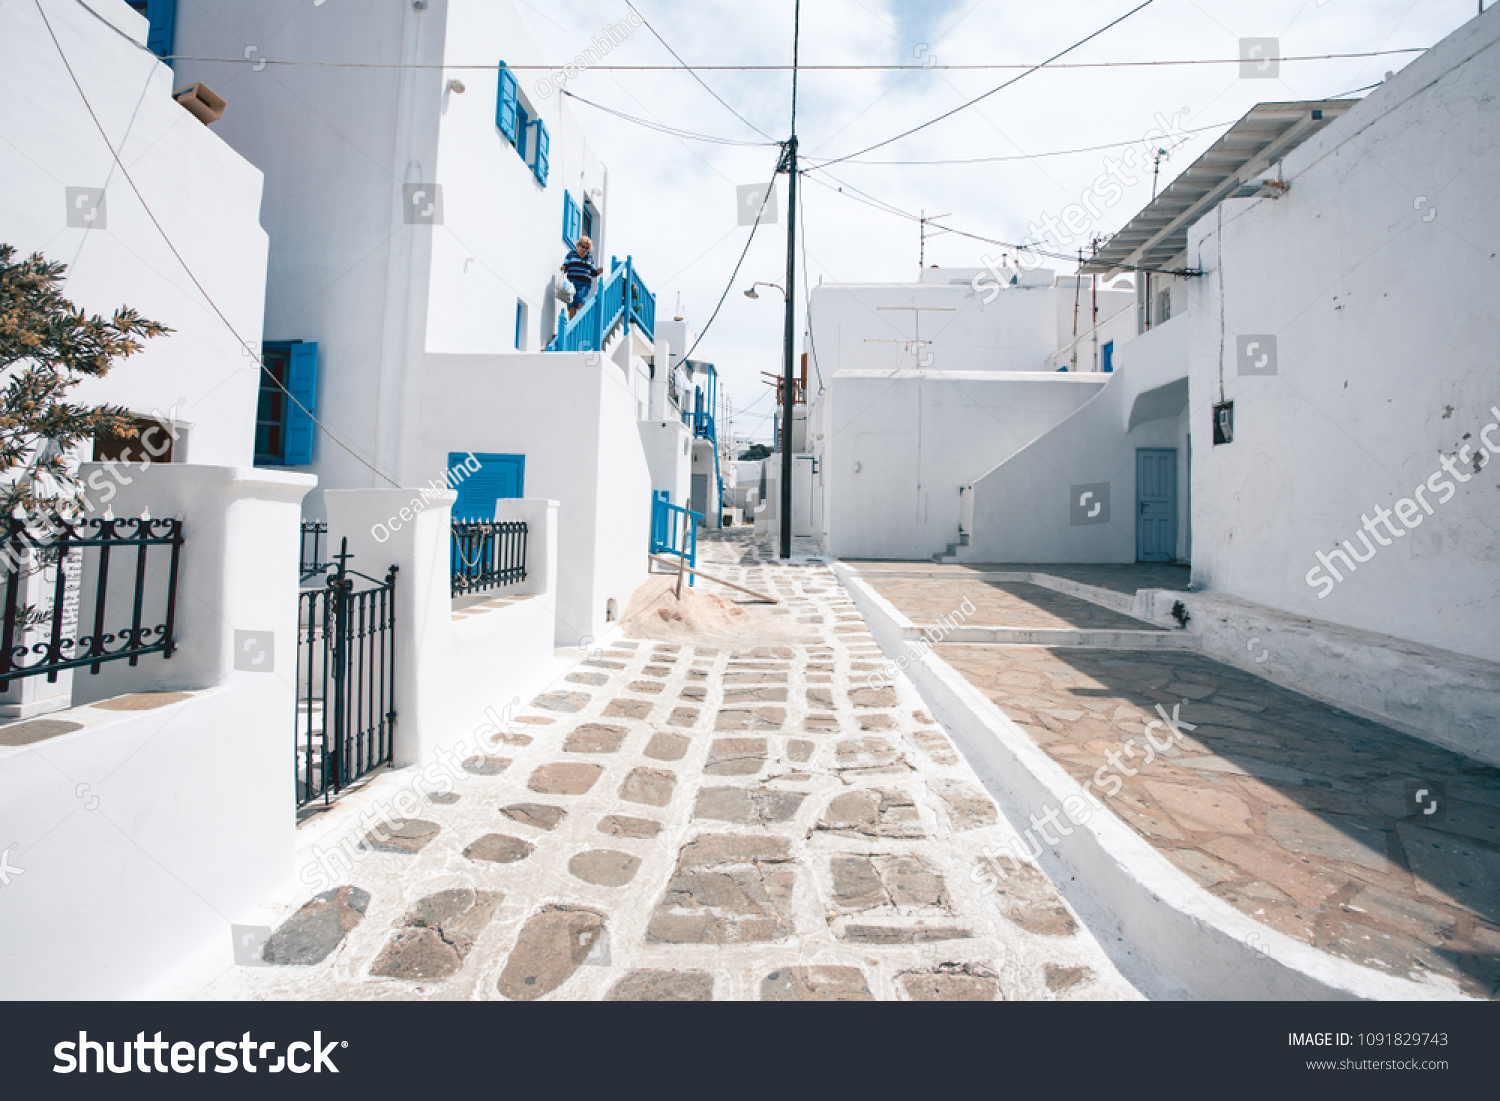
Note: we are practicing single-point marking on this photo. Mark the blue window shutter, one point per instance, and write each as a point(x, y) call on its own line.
point(542, 142)
point(505, 107)
point(570, 219)
point(499, 477)
point(1108, 358)
point(163, 16)
point(302, 382)
point(523, 127)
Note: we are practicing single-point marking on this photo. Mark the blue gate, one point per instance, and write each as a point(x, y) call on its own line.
point(674, 529)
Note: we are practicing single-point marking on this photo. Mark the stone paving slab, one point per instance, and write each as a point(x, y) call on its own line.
point(1121, 578)
point(824, 843)
point(1300, 815)
point(978, 603)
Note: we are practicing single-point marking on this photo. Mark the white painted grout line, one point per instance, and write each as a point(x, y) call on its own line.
point(1196, 940)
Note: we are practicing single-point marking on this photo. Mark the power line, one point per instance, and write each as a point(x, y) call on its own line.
point(168, 240)
point(863, 68)
point(992, 91)
point(673, 131)
point(696, 77)
point(730, 286)
point(1052, 153)
point(887, 208)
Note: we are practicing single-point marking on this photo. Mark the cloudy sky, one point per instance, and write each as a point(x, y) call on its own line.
point(673, 200)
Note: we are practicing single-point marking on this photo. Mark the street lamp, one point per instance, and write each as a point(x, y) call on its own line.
point(751, 292)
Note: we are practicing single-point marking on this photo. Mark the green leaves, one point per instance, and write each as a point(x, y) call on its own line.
point(47, 346)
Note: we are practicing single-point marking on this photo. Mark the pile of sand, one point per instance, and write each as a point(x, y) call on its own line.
point(704, 619)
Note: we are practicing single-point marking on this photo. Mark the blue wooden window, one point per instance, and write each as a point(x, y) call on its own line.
point(539, 167)
point(572, 220)
point(520, 325)
point(284, 428)
point(523, 126)
point(588, 222)
point(1107, 357)
point(499, 477)
point(507, 103)
point(163, 18)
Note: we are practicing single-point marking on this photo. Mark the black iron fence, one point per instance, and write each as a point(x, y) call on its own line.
point(346, 693)
point(58, 581)
point(314, 533)
point(487, 554)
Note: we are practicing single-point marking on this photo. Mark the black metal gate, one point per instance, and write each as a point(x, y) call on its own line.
point(346, 698)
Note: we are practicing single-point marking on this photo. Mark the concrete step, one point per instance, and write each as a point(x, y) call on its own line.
point(1037, 636)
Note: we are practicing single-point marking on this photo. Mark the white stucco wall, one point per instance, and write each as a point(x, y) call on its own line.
point(1116, 322)
point(502, 233)
point(144, 833)
point(865, 326)
point(668, 450)
point(206, 197)
point(917, 437)
point(451, 671)
point(338, 144)
point(573, 416)
point(1022, 508)
point(1376, 275)
point(335, 147)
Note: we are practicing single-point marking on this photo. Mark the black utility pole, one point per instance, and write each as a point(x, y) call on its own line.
point(788, 391)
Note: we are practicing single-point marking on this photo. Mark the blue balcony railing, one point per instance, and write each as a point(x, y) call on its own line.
point(620, 298)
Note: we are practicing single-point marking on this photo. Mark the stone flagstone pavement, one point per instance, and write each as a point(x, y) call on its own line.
point(676, 823)
point(1299, 814)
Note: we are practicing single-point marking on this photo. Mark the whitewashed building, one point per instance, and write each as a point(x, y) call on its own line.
point(418, 216)
point(160, 785)
point(931, 384)
point(66, 197)
point(1308, 410)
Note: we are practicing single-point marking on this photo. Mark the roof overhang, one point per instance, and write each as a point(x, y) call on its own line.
point(1230, 168)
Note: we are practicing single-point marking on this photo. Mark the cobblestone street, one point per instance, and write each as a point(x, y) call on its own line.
point(677, 823)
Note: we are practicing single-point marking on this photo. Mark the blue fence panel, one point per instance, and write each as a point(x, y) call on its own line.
point(672, 526)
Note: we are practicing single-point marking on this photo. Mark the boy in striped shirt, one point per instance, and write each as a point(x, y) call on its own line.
point(580, 273)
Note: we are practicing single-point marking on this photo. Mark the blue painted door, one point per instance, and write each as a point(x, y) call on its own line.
point(1156, 504)
point(499, 477)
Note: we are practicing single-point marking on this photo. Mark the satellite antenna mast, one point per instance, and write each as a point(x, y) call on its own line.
point(922, 252)
point(1156, 159)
